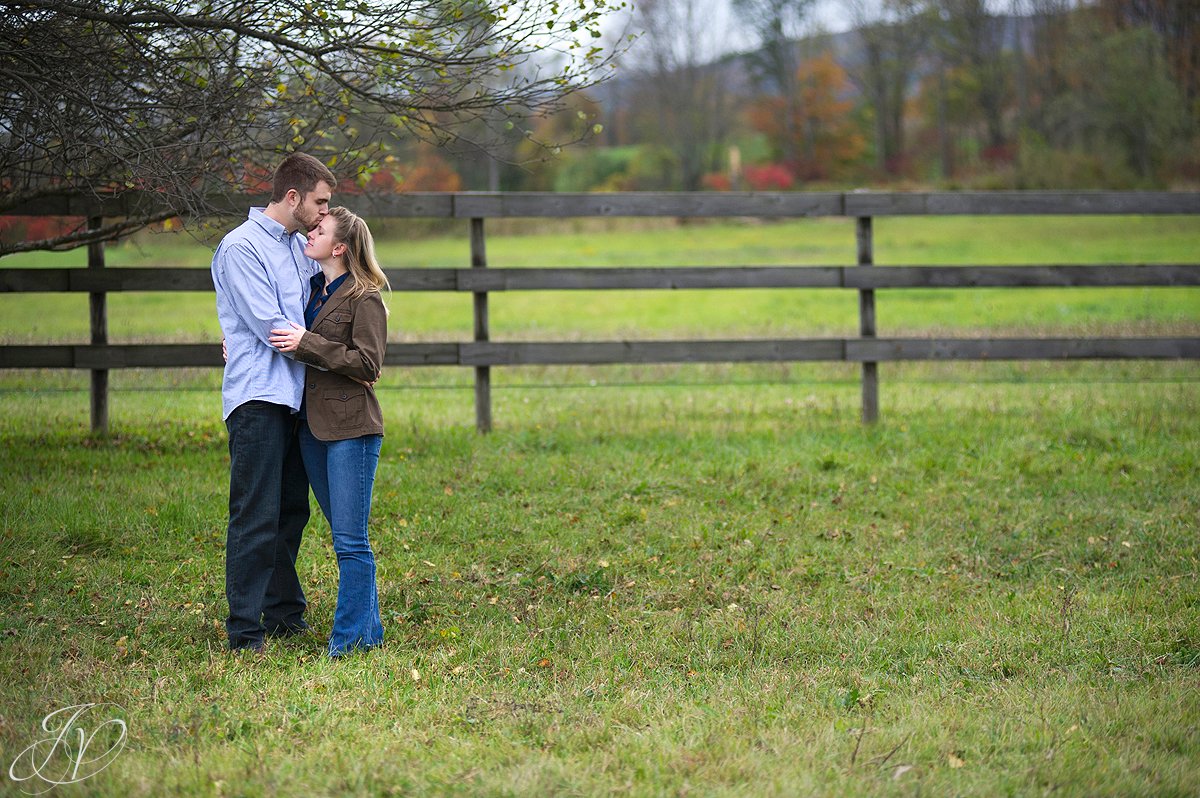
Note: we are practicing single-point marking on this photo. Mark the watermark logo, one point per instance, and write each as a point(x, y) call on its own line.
point(83, 740)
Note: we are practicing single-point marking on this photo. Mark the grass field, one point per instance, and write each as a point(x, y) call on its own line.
point(647, 581)
point(133, 317)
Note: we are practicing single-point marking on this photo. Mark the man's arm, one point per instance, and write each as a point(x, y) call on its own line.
point(250, 288)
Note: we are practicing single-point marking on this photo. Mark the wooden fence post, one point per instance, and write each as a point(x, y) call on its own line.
point(483, 374)
point(866, 323)
point(98, 304)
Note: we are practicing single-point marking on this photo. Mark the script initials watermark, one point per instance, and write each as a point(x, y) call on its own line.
point(71, 753)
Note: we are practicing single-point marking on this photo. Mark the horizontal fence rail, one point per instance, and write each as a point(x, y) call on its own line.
point(765, 205)
point(855, 350)
point(480, 280)
point(645, 279)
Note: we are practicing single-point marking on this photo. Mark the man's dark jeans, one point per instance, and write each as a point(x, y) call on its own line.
point(268, 508)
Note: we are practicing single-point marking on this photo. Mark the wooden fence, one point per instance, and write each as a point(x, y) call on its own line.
point(480, 280)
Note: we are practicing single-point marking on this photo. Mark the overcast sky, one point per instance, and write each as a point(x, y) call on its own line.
point(727, 36)
point(832, 16)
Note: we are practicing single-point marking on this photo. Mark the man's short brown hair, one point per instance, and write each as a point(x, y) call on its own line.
point(301, 172)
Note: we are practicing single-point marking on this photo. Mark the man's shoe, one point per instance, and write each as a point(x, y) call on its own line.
point(246, 647)
point(289, 631)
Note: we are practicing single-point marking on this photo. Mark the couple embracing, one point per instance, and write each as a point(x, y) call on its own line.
point(305, 327)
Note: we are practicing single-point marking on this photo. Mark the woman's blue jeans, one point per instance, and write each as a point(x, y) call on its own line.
point(342, 475)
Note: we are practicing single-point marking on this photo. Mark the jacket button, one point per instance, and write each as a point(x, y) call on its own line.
point(312, 386)
point(343, 396)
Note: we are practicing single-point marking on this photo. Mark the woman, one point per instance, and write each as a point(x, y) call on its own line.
point(342, 424)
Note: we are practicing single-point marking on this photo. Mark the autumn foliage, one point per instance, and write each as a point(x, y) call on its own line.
point(769, 177)
point(14, 229)
point(823, 134)
point(426, 171)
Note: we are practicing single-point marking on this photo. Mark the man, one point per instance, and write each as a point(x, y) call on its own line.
point(262, 279)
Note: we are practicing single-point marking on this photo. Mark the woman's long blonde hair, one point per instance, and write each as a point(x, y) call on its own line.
point(359, 258)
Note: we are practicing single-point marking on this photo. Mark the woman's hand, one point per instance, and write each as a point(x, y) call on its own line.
point(287, 340)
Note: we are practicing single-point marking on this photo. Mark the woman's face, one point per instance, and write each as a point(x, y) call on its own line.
point(320, 242)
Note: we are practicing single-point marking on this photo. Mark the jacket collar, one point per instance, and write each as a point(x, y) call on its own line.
point(339, 298)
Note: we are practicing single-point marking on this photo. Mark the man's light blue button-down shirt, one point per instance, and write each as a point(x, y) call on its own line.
point(261, 275)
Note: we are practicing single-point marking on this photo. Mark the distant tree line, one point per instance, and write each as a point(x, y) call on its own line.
point(1016, 94)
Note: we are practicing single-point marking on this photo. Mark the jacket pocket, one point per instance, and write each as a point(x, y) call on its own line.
point(347, 407)
point(335, 327)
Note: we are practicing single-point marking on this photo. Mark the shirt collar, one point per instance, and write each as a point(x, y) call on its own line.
point(273, 228)
point(317, 281)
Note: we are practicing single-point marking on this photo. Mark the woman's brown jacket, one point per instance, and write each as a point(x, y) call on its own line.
point(347, 340)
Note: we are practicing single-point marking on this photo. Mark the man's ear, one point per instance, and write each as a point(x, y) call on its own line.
point(293, 197)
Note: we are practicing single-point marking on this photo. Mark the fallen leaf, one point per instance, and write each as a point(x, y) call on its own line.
point(543, 663)
point(955, 761)
point(416, 675)
point(900, 771)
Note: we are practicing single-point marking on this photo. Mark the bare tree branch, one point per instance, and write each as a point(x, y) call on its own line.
point(184, 99)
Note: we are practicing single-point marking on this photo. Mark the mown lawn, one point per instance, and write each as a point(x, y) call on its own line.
point(648, 590)
point(648, 580)
point(190, 317)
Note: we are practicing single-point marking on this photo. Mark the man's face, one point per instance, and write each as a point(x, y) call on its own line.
point(309, 210)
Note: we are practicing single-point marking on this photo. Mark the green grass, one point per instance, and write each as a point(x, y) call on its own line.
point(655, 590)
point(649, 580)
point(31, 318)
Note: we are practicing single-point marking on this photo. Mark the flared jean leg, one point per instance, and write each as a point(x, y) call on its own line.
point(342, 474)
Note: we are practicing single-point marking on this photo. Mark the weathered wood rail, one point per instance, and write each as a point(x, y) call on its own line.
point(480, 280)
